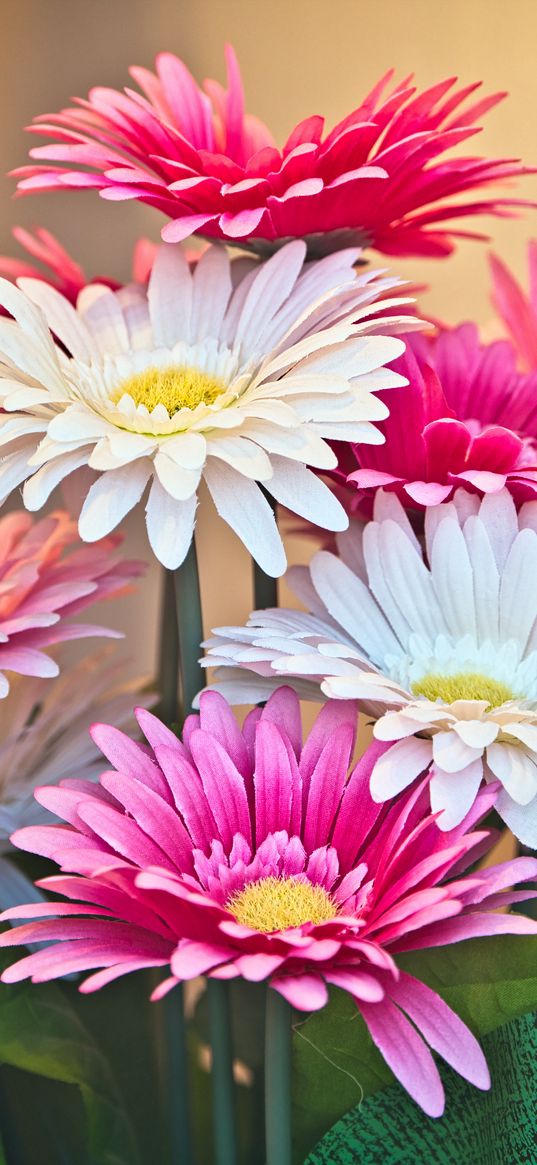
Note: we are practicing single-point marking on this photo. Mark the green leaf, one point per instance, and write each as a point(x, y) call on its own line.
point(335, 1063)
point(490, 1128)
point(40, 1033)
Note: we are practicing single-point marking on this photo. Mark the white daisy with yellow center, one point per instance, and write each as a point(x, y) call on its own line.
point(236, 371)
point(438, 643)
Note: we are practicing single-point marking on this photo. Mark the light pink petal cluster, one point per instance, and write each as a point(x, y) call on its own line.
point(41, 586)
point(516, 307)
point(468, 417)
point(151, 857)
point(58, 268)
point(379, 177)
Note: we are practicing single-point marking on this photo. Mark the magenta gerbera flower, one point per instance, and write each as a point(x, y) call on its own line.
point(250, 854)
point(468, 417)
point(58, 268)
point(41, 586)
point(378, 178)
point(516, 307)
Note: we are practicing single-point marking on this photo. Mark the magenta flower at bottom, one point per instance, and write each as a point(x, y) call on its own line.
point(249, 854)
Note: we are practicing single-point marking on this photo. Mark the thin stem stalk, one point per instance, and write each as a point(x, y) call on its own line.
point(224, 1124)
point(278, 1079)
point(265, 587)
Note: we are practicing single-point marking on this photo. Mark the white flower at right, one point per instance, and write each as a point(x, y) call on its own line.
point(438, 643)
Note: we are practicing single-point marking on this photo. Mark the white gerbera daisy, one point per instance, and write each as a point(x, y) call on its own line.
point(44, 739)
point(440, 645)
point(233, 370)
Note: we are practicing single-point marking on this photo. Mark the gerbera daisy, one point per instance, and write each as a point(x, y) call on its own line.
point(57, 266)
point(378, 178)
point(41, 586)
point(249, 854)
point(44, 737)
point(439, 644)
point(467, 417)
point(516, 307)
point(234, 371)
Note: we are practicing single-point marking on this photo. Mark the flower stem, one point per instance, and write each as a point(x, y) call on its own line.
point(190, 630)
point(265, 587)
point(277, 1079)
point(177, 1077)
point(225, 1138)
point(168, 672)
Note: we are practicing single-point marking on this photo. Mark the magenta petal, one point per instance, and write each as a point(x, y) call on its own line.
point(218, 720)
point(406, 1054)
point(442, 1029)
point(283, 709)
point(223, 785)
point(191, 959)
point(257, 967)
point(305, 992)
point(427, 493)
point(272, 782)
point(357, 983)
point(327, 782)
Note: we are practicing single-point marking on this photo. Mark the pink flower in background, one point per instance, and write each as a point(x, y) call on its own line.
point(60, 269)
point(517, 308)
point(467, 418)
point(378, 178)
point(252, 854)
point(41, 586)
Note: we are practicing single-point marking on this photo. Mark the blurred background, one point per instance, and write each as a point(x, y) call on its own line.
point(298, 58)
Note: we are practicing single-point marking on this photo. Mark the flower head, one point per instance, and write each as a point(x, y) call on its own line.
point(438, 643)
point(468, 417)
point(250, 854)
point(57, 267)
point(234, 371)
point(41, 586)
point(516, 308)
point(44, 738)
point(378, 178)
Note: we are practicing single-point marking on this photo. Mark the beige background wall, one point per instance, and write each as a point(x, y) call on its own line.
point(298, 57)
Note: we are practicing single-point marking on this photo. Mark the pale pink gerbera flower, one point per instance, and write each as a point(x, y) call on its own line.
point(248, 854)
point(468, 417)
point(58, 268)
point(44, 737)
point(377, 179)
point(41, 586)
point(516, 307)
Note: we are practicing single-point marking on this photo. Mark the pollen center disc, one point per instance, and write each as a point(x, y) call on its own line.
point(278, 903)
point(176, 387)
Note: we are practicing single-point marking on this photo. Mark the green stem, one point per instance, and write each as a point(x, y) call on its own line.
point(190, 628)
point(265, 587)
point(177, 1077)
point(168, 672)
point(225, 1140)
point(278, 1079)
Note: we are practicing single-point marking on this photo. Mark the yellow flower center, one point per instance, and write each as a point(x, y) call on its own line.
point(463, 686)
point(176, 387)
point(278, 903)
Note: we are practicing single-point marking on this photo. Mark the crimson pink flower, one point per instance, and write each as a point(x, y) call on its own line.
point(250, 854)
point(378, 178)
point(60, 270)
point(517, 308)
point(41, 586)
point(468, 417)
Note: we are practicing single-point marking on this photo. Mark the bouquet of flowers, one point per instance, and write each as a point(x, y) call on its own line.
point(319, 917)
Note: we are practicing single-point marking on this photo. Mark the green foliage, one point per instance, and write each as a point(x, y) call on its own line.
point(336, 1065)
point(41, 1034)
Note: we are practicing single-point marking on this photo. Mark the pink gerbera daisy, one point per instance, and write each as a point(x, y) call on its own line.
point(40, 586)
point(516, 307)
point(378, 178)
point(468, 417)
point(250, 854)
point(60, 270)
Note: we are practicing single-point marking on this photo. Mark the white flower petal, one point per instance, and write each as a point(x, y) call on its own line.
point(297, 488)
point(37, 489)
point(398, 767)
point(453, 794)
point(62, 319)
point(170, 526)
point(170, 296)
point(241, 504)
point(516, 771)
point(520, 819)
point(110, 498)
point(451, 754)
point(476, 733)
point(179, 482)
